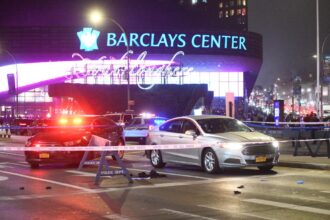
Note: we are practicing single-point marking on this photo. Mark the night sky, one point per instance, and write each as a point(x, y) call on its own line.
point(289, 37)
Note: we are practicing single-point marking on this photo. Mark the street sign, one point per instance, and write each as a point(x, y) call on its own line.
point(131, 102)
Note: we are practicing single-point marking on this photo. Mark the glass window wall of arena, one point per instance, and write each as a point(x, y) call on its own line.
point(218, 82)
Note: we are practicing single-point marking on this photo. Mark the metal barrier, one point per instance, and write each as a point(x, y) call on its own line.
point(302, 134)
point(102, 162)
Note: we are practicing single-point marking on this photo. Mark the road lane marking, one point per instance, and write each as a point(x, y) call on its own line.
point(25, 197)
point(4, 165)
point(19, 164)
point(115, 217)
point(81, 173)
point(186, 214)
point(288, 206)
point(48, 181)
point(233, 212)
point(13, 154)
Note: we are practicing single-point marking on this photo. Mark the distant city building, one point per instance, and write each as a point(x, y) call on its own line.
point(233, 14)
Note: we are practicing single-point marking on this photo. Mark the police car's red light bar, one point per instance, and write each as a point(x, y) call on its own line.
point(77, 121)
point(63, 121)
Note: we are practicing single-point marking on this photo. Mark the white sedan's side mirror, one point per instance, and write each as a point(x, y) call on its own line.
point(191, 133)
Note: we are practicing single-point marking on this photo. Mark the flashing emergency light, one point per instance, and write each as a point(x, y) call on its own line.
point(63, 121)
point(147, 115)
point(159, 121)
point(77, 121)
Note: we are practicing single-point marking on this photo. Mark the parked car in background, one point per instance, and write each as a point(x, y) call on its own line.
point(72, 131)
point(230, 143)
point(121, 118)
point(19, 126)
point(39, 125)
point(139, 127)
point(326, 112)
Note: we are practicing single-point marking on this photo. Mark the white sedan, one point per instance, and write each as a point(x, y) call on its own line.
point(231, 144)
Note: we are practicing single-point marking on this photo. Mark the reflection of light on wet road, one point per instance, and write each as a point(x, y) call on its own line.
point(3, 178)
point(48, 181)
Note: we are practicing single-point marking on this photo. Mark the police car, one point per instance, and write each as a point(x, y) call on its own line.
point(139, 127)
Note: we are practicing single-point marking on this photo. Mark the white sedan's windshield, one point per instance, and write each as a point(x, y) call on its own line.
point(222, 125)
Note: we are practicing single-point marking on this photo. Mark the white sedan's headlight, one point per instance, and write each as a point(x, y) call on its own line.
point(276, 144)
point(233, 146)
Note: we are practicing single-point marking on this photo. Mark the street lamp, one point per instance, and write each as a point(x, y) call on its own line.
point(322, 66)
point(96, 17)
point(16, 74)
point(318, 88)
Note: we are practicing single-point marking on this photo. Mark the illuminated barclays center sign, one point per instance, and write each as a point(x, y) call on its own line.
point(88, 40)
point(214, 58)
point(177, 40)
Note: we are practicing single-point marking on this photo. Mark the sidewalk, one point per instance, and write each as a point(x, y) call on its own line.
point(307, 162)
point(303, 159)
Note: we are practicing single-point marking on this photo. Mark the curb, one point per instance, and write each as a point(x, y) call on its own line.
point(316, 166)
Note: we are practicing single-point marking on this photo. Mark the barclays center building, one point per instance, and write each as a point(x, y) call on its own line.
point(168, 57)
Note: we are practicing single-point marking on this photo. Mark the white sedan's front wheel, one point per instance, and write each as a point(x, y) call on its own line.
point(156, 159)
point(210, 161)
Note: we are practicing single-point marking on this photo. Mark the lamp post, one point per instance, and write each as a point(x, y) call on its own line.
point(96, 17)
point(322, 66)
point(16, 74)
point(318, 88)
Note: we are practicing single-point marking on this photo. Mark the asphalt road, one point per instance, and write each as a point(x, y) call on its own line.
point(61, 192)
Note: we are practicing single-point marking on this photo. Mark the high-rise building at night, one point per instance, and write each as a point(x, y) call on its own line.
point(233, 13)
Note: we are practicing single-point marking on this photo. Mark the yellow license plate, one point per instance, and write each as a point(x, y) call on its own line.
point(44, 155)
point(260, 159)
